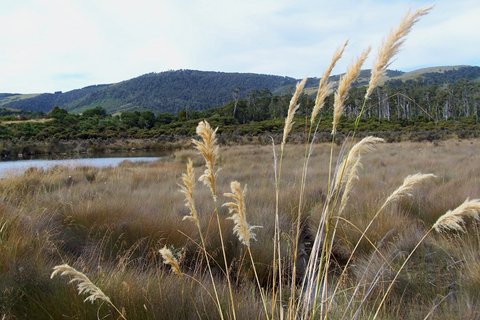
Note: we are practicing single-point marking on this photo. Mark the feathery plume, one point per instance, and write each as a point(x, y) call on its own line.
point(408, 183)
point(344, 86)
point(188, 180)
point(351, 162)
point(84, 285)
point(237, 208)
point(169, 258)
point(350, 165)
point(391, 46)
point(208, 148)
point(292, 108)
point(453, 219)
point(325, 87)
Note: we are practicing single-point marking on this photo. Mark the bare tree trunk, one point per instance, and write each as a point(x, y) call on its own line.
point(236, 96)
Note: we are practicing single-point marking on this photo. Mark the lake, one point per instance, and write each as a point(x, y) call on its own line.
point(16, 167)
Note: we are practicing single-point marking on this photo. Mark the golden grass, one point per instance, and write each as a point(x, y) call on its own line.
point(391, 46)
point(455, 219)
point(26, 121)
point(169, 259)
point(238, 213)
point(84, 285)
point(292, 108)
point(324, 86)
point(344, 85)
point(99, 218)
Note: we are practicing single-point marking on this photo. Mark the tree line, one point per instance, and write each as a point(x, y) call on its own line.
point(396, 106)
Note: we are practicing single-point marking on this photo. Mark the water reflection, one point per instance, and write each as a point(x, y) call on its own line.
point(19, 166)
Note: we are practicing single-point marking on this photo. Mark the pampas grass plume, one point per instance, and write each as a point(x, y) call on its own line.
point(324, 87)
point(188, 182)
point(237, 208)
point(391, 46)
point(84, 285)
point(349, 166)
point(292, 108)
point(351, 163)
point(408, 183)
point(344, 85)
point(454, 219)
point(169, 259)
point(208, 149)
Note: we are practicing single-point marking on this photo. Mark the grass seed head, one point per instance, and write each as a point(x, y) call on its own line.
point(208, 149)
point(348, 169)
point(169, 259)
point(84, 285)
point(188, 182)
point(292, 108)
point(408, 184)
point(454, 219)
point(325, 87)
point(237, 208)
point(344, 86)
point(391, 46)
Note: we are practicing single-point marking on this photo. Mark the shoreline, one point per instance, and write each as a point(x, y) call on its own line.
point(17, 149)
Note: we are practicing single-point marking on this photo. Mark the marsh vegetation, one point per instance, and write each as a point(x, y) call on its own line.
point(110, 223)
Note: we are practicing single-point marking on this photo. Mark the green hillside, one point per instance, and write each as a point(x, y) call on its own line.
point(169, 91)
point(173, 91)
point(8, 98)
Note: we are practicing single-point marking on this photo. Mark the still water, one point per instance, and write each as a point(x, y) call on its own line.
point(19, 166)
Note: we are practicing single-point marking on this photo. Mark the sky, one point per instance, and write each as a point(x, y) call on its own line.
point(60, 45)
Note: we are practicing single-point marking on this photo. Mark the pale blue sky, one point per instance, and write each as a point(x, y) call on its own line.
point(49, 45)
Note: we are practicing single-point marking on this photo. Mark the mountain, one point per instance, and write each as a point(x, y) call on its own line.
point(442, 74)
point(172, 91)
point(169, 91)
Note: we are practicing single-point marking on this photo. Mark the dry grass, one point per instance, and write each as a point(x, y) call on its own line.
point(117, 219)
point(26, 121)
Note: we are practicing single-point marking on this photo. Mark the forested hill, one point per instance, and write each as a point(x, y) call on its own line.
point(169, 91)
point(173, 91)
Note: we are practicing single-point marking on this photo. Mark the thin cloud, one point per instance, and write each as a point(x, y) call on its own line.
point(109, 41)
